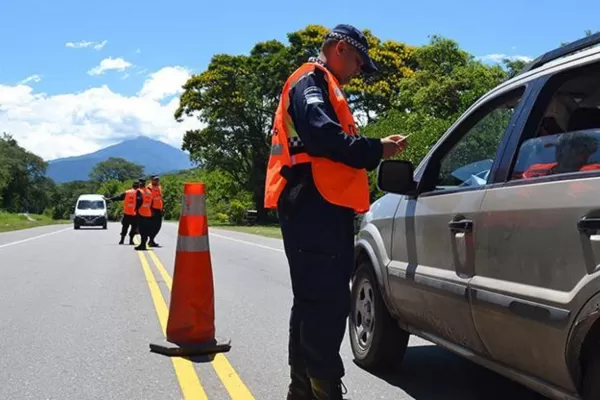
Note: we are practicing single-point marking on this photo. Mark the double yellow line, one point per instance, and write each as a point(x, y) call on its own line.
point(189, 382)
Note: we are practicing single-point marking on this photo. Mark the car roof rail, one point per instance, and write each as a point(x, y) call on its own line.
point(562, 51)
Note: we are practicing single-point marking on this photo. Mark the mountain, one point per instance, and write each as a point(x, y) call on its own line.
point(156, 157)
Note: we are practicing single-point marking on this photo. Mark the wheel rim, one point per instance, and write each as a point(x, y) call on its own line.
point(364, 314)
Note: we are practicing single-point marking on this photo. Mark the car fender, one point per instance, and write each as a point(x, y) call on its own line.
point(371, 244)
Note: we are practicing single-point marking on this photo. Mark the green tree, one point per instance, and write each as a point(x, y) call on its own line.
point(64, 197)
point(116, 168)
point(236, 98)
point(446, 81)
point(23, 184)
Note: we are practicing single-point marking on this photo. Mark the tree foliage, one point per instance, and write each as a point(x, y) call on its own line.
point(23, 184)
point(116, 168)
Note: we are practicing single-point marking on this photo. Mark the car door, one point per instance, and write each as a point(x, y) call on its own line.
point(538, 246)
point(433, 249)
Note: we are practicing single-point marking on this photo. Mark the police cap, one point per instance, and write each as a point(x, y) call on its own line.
point(356, 39)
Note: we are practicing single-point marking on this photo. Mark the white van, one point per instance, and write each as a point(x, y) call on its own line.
point(90, 210)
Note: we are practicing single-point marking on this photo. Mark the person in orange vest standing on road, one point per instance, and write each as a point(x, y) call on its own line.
point(157, 210)
point(143, 208)
point(129, 215)
point(317, 180)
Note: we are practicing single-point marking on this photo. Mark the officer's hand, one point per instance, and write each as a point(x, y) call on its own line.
point(392, 145)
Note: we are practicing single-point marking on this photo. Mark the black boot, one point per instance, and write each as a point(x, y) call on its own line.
point(131, 240)
point(299, 387)
point(328, 389)
point(122, 239)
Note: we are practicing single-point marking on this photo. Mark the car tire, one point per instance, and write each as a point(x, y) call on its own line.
point(378, 343)
point(590, 389)
point(75, 226)
point(105, 226)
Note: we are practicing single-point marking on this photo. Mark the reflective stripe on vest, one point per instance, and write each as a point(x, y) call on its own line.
point(337, 183)
point(145, 210)
point(157, 199)
point(129, 202)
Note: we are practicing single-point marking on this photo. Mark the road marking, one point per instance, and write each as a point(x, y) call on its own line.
point(248, 243)
point(161, 269)
point(233, 383)
point(184, 369)
point(33, 238)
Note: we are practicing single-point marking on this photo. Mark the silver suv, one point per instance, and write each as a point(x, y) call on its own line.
point(491, 246)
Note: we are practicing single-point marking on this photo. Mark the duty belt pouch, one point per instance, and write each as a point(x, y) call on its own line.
point(294, 191)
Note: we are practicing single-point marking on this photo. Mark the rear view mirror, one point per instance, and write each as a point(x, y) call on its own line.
point(396, 176)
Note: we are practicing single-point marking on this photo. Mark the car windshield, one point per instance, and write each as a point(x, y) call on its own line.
point(90, 205)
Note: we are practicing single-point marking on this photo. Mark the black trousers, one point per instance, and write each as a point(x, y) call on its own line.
point(319, 243)
point(127, 222)
point(145, 226)
point(156, 224)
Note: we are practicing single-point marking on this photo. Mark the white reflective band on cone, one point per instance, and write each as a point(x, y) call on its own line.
point(193, 205)
point(277, 150)
point(192, 243)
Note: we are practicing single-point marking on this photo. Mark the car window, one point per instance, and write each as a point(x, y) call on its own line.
point(565, 136)
point(470, 160)
point(90, 205)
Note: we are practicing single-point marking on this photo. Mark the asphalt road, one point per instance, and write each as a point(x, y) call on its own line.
point(78, 312)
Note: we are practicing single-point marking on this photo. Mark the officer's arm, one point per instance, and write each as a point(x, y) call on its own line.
point(321, 135)
point(120, 197)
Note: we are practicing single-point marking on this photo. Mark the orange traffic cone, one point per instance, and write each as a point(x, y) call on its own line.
point(191, 323)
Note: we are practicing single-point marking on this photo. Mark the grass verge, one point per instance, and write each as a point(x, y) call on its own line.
point(15, 222)
point(271, 231)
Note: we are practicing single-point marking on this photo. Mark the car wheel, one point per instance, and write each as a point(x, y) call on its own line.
point(104, 226)
point(75, 226)
point(377, 341)
point(591, 383)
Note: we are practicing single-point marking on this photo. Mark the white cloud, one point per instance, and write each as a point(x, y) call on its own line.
point(164, 83)
point(100, 45)
point(70, 124)
point(497, 58)
point(33, 78)
point(86, 43)
point(108, 64)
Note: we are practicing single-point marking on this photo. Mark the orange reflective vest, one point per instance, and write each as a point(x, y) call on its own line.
point(537, 170)
point(129, 202)
point(337, 183)
point(145, 210)
point(157, 199)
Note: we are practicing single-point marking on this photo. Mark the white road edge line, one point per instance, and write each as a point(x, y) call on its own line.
point(33, 238)
point(248, 243)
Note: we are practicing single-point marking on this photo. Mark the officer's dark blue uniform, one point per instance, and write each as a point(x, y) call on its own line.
point(318, 239)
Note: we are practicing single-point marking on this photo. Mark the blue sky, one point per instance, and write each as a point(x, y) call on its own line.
point(177, 38)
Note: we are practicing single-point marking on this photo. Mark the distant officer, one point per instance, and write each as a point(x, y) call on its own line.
point(317, 180)
point(129, 214)
point(157, 209)
point(144, 213)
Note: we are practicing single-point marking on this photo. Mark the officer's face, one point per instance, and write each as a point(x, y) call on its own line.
point(349, 62)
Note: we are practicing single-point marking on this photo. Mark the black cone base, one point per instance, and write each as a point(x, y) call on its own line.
point(166, 348)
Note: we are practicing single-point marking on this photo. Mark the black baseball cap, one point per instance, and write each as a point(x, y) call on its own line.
point(357, 40)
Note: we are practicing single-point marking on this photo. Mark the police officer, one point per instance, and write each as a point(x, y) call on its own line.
point(317, 180)
point(129, 215)
point(144, 213)
point(157, 210)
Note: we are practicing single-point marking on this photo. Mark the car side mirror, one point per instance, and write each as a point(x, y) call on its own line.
point(396, 176)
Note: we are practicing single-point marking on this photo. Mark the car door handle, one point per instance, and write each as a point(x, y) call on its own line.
point(462, 225)
point(587, 224)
